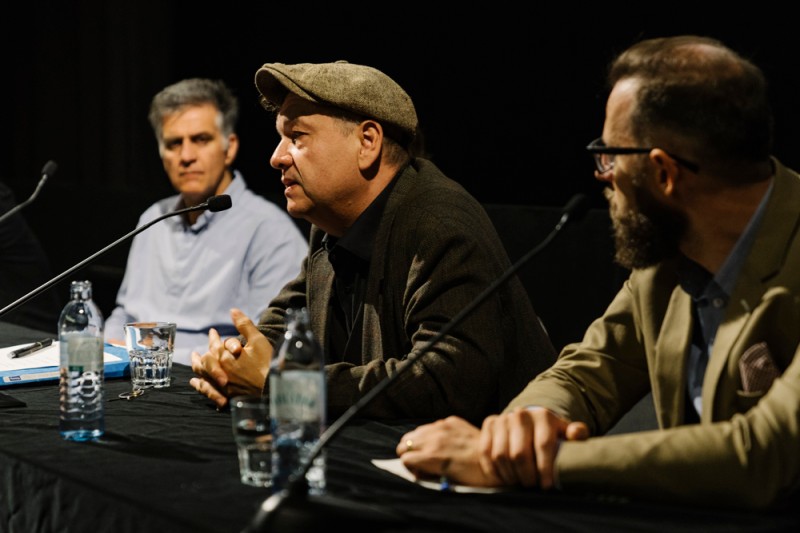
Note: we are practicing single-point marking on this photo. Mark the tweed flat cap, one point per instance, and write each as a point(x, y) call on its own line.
point(356, 88)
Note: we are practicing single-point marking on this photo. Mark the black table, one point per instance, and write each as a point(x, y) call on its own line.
point(167, 463)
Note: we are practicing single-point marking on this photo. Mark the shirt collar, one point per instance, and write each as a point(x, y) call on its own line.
point(360, 236)
point(697, 281)
point(235, 189)
point(727, 274)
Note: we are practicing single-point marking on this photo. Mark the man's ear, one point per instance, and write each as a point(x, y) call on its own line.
point(371, 137)
point(233, 149)
point(668, 171)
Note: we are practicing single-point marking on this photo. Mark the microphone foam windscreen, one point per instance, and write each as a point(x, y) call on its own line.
point(577, 206)
point(50, 168)
point(219, 203)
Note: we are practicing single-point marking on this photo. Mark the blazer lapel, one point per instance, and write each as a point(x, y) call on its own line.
point(764, 261)
point(319, 291)
point(669, 390)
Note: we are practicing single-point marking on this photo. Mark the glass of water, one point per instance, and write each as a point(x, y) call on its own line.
point(150, 348)
point(252, 432)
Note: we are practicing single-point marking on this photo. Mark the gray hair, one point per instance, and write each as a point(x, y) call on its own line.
point(192, 92)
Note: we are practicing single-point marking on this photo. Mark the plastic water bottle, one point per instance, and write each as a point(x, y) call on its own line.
point(80, 389)
point(297, 404)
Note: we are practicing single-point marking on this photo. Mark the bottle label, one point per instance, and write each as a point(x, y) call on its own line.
point(297, 395)
point(83, 354)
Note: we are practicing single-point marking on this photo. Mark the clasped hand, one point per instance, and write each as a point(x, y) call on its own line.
point(229, 369)
point(518, 448)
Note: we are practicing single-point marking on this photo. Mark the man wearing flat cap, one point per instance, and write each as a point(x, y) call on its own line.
point(396, 250)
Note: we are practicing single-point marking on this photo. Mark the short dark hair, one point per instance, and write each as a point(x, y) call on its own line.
point(698, 88)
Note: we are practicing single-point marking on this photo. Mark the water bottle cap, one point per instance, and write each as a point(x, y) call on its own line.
point(81, 289)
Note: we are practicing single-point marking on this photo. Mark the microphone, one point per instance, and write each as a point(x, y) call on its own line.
point(574, 209)
point(48, 170)
point(213, 204)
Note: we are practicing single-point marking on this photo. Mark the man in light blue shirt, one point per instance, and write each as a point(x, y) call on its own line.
point(193, 268)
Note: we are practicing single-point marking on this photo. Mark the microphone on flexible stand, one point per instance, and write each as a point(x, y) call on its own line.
point(575, 208)
point(48, 170)
point(213, 204)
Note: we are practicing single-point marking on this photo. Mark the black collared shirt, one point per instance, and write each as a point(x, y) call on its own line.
point(350, 257)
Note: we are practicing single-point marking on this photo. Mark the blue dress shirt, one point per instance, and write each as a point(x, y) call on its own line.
point(193, 275)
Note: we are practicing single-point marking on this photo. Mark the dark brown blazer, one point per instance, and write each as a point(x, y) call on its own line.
point(435, 251)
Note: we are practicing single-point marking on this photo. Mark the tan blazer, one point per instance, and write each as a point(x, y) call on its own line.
point(434, 252)
point(746, 450)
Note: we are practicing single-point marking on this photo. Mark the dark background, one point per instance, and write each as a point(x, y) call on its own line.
point(508, 94)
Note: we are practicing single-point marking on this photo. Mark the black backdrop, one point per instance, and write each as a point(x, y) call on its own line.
point(507, 94)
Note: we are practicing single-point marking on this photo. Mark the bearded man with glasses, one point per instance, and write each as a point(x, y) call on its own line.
point(709, 320)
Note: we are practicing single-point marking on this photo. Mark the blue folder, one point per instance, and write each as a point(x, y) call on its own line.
point(113, 369)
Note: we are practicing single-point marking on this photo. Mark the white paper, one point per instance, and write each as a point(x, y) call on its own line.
point(396, 467)
point(43, 358)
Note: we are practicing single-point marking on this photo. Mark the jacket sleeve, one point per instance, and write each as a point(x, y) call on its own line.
point(750, 457)
point(589, 384)
point(751, 460)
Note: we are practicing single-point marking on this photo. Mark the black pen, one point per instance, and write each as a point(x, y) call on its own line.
point(33, 348)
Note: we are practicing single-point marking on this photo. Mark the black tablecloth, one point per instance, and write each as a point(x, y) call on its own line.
point(167, 462)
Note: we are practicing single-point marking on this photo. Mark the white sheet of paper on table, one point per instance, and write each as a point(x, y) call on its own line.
point(396, 467)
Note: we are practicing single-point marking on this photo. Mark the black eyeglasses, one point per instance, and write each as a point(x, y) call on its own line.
point(604, 156)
